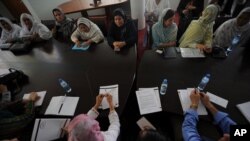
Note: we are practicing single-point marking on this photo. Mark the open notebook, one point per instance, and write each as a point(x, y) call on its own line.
point(49, 129)
point(191, 53)
point(113, 90)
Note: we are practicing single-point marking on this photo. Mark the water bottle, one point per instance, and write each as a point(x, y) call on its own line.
point(6, 97)
point(204, 82)
point(64, 85)
point(164, 86)
point(234, 43)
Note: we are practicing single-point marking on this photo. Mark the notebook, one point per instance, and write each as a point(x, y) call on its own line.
point(40, 101)
point(113, 90)
point(49, 129)
point(191, 53)
point(62, 105)
point(83, 47)
point(5, 46)
point(244, 109)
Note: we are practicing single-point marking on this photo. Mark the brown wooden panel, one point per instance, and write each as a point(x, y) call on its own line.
point(16, 7)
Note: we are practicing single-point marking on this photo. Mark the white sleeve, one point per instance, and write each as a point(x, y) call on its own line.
point(93, 113)
point(98, 36)
point(3, 37)
point(114, 128)
point(74, 36)
point(44, 32)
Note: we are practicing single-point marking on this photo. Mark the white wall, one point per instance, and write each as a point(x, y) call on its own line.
point(5, 12)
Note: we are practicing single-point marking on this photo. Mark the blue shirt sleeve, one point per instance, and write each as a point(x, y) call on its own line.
point(189, 130)
point(223, 121)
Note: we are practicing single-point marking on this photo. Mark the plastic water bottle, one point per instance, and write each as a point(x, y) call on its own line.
point(64, 85)
point(234, 43)
point(164, 86)
point(6, 97)
point(204, 82)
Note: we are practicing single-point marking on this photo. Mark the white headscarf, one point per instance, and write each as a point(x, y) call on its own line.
point(37, 27)
point(151, 6)
point(225, 33)
point(12, 34)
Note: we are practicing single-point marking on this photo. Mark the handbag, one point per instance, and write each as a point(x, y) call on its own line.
point(14, 80)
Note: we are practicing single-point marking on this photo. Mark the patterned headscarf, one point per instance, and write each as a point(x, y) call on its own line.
point(84, 128)
point(209, 14)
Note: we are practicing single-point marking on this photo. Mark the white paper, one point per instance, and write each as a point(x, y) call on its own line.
point(113, 90)
point(40, 101)
point(4, 71)
point(147, 101)
point(143, 122)
point(244, 108)
point(191, 53)
point(5, 46)
point(48, 129)
point(217, 100)
point(157, 94)
point(67, 105)
point(159, 51)
point(184, 95)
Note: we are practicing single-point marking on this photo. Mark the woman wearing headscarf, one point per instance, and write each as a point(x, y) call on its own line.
point(236, 26)
point(86, 128)
point(122, 32)
point(164, 32)
point(154, 8)
point(86, 31)
point(10, 31)
point(64, 26)
point(200, 32)
point(33, 30)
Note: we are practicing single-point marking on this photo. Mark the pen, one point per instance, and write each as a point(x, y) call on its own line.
point(62, 104)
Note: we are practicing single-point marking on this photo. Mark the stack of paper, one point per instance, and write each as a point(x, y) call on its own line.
point(191, 53)
point(148, 100)
point(184, 95)
point(40, 94)
point(62, 105)
point(49, 129)
point(144, 123)
point(112, 90)
point(217, 100)
point(244, 109)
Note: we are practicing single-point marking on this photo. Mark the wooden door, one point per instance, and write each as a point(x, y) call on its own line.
point(16, 8)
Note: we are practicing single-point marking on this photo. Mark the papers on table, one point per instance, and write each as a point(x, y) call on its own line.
point(5, 46)
point(184, 95)
point(4, 71)
point(143, 122)
point(244, 109)
point(148, 100)
point(191, 53)
point(83, 47)
point(217, 100)
point(111, 89)
point(48, 129)
point(40, 101)
point(62, 105)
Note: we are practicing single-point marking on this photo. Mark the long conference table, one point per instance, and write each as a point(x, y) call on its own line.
point(84, 71)
point(230, 78)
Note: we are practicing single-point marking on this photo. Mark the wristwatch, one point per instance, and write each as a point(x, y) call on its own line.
point(194, 106)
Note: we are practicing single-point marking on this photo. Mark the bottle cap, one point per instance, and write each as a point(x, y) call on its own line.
point(165, 81)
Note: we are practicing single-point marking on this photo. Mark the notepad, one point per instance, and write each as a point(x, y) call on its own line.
point(83, 47)
point(157, 94)
point(49, 129)
point(62, 105)
point(113, 90)
point(191, 53)
point(244, 109)
point(143, 122)
point(184, 96)
point(148, 101)
point(41, 94)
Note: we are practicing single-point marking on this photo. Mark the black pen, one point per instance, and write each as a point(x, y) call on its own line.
point(62, 104)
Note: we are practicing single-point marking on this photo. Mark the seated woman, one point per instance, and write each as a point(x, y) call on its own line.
point(153, 8)
point(64, 26)
point(86, 128)
point(236, 26)
point(86, 32)
point(164, 32)
point(199, 33)
point(122, 32)
point(32, 30)
point(15, 116)
point(10, 31)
